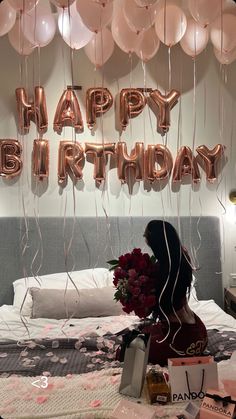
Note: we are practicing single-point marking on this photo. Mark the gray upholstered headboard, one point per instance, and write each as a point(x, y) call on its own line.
point(44, 243)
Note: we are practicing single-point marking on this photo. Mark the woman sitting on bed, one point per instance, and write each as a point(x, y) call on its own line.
point(179, 331)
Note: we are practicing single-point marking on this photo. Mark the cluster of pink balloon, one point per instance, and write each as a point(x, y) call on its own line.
point(134, 25)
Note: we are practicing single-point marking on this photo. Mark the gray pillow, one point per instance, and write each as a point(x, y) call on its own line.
point(61, 304)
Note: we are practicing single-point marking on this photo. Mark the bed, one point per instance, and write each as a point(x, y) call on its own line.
point(72, 360)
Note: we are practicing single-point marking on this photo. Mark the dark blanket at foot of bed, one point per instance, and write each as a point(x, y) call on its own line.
point(76, 356)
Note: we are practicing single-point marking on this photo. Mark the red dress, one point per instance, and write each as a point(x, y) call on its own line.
point(191, 340)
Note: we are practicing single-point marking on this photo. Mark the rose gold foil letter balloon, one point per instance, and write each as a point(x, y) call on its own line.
point(158, 154)
point(68, 112)
point(98, 101)
point(132, 102)
point(211, 158)
point(35, 111)
point(10, 158)
point(185, 164)
point(164, 103)
point(134, 161)
point(70, 160)
point(99, 151)
point(41, 159)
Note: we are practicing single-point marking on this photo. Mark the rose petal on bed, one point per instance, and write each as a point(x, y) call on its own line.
point(100, 345)
point(63, 360)
point(41, 399)
point(96, 403)
point(31, 345)
point(3, 354)
point(231, 338)
point(78, 345)
point(90, 365)
point(224, 336)
point(49, 354)
point(24, 353)
point(54, 359)
point(36, 358)
point(55, 344)
point(83, 350)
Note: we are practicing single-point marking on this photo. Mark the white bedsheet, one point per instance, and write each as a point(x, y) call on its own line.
point(12, 326)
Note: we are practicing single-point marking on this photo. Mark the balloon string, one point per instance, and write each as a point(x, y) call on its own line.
point(62, 48)
point(169, 70)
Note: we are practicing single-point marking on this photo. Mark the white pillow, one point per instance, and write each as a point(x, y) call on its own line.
point(87, 278)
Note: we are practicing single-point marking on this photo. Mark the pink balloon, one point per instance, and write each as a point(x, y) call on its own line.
point(195, 38)
point(148, 44)
point(18, 40)
point(100, 48)
point(73, 30)
point(139, 18)
point(223, 33)
point(23, 5)
point(205, 11)
point(171, 24)
point(62, 3)
point(7, 18)
point(144, 3)
point(122, 34)
point(95, 15)
point(225, 57)
point(38, 28)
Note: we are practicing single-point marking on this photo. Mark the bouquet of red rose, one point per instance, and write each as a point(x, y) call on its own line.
point(135, 276)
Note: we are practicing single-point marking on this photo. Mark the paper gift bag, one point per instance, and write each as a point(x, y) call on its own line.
point(135, 365)
point(217, 405)
point(191, 377)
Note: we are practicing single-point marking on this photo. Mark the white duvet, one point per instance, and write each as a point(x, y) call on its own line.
point(15, 327)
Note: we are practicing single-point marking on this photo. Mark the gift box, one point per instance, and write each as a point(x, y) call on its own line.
point(135, 365)
point(130, 410)
point(217, 404)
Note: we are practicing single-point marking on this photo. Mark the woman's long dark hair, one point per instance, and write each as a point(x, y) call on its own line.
point(175, 265)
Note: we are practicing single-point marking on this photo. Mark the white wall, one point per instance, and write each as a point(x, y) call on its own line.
point(215, 123)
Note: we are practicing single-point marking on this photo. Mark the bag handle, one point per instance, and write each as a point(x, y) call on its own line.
point(201, 394)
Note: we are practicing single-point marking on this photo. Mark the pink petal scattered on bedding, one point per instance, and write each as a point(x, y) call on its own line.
point(46, 374)
point(55, 344)
point(36, 358)
point(50, 386)
point(95, 403)
point(24, 353)
point(41, 399)
point(114, 379)
point(231, 338)
point(3, 354)
point(100, 345)
point(90, 365)
point(63, 360)
point(31, 345)
point(98, 353)
point(54, 359)
point(49, 354)
point(78, 345)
